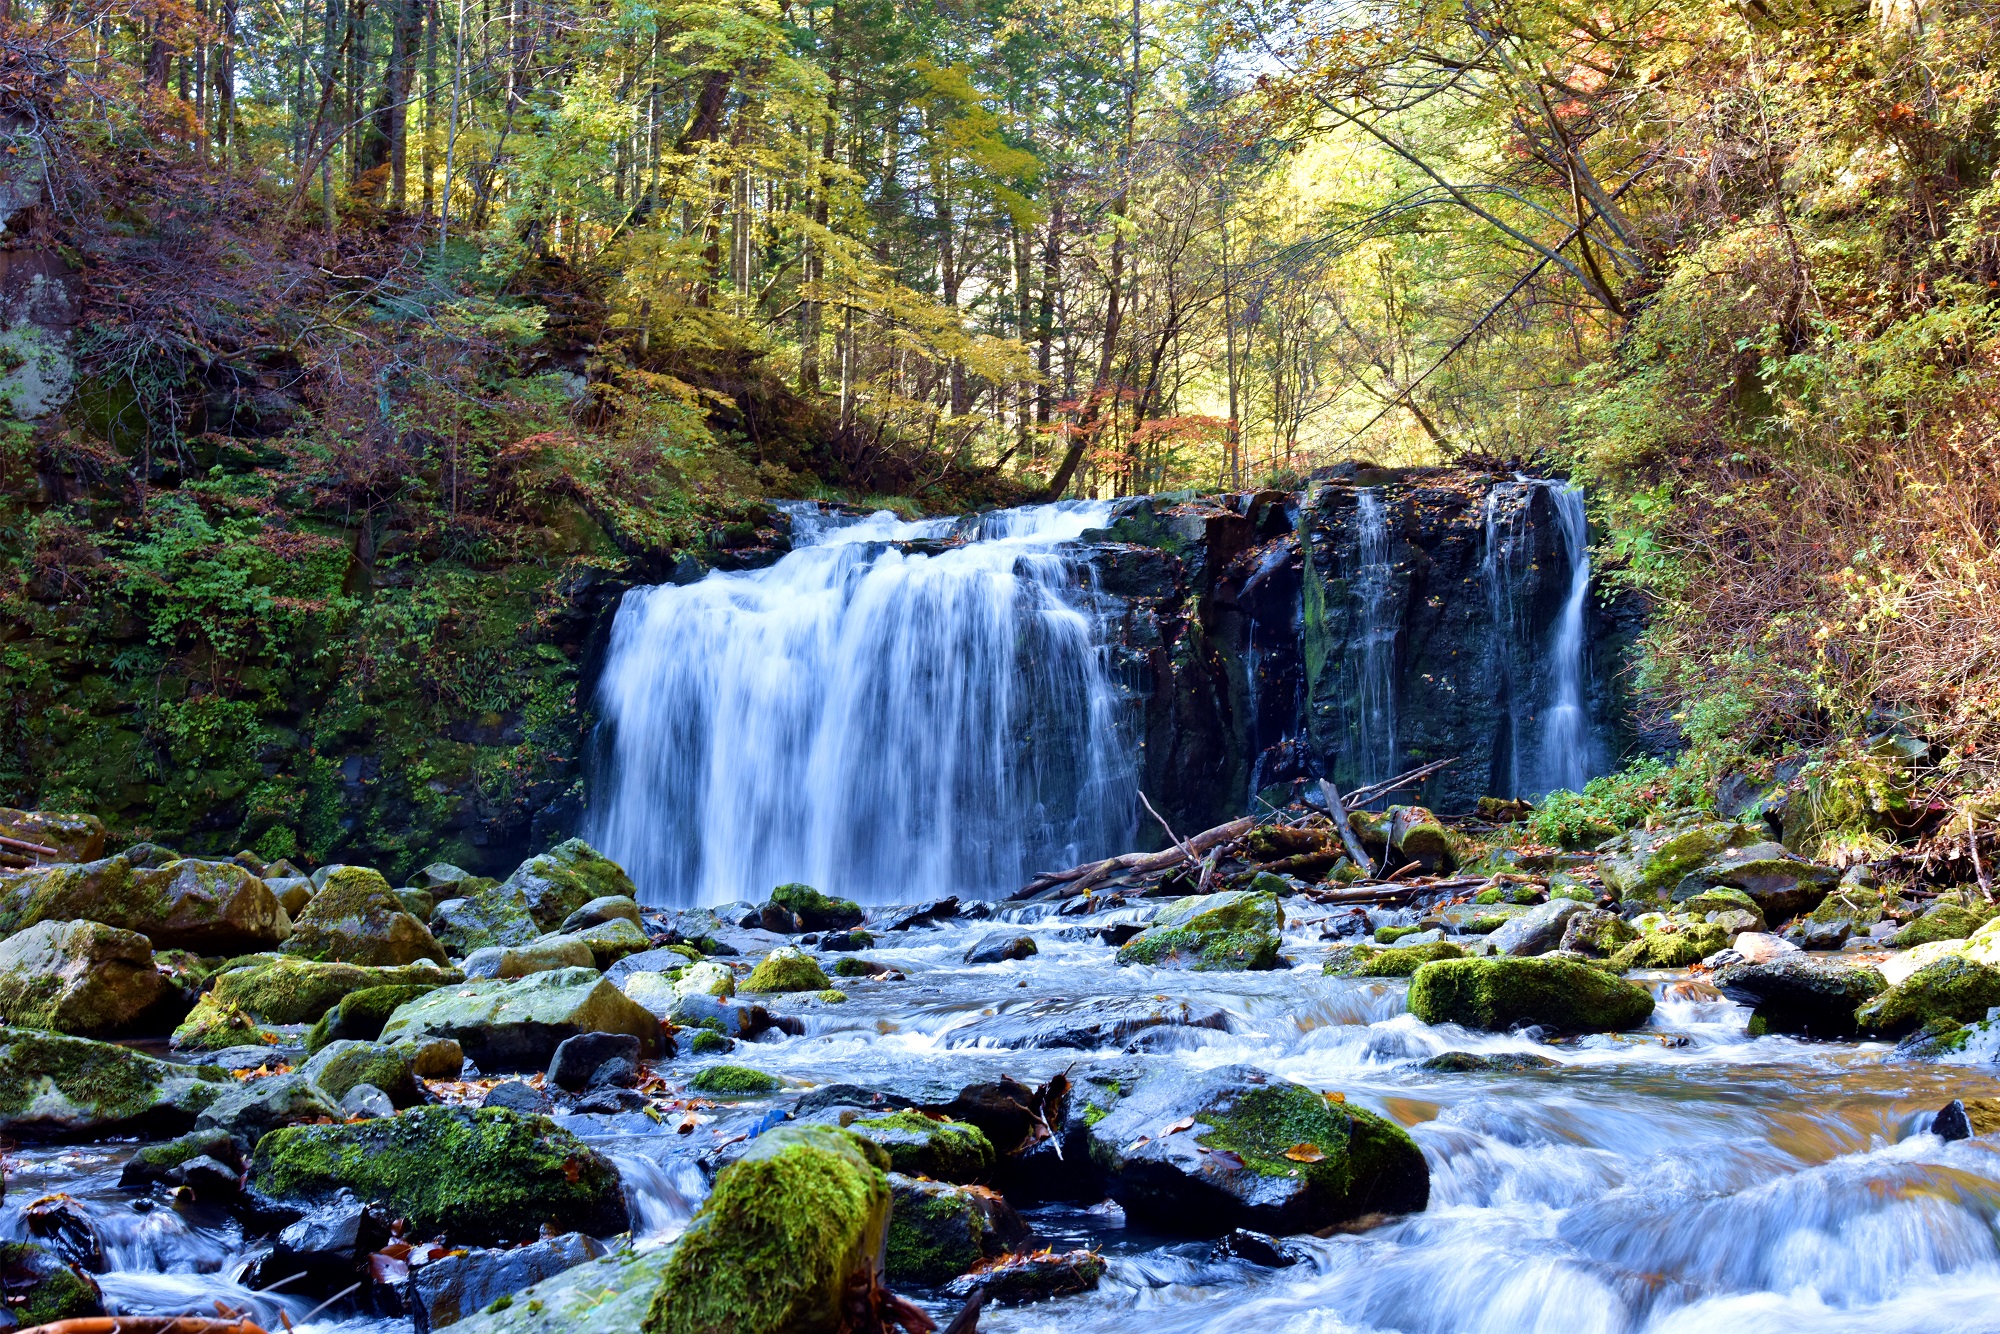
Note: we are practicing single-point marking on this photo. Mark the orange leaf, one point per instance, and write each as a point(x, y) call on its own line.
point(1305, 1153)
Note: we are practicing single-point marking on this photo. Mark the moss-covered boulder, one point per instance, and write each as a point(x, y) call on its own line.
point(1780, 882)
point(608, 941)
point(598, 911)
point(937, 1230)
point(1397, 961)
point(1200, 1154)
point(518, 1024)
point(1848, 911)
point(1679, 947)
point(786, 968)
point(814, 911)
point(75, 838)
point(1647, 864)
point(928, 1146)
point(537, 956)
point(609, 1294)
point(299, 991)
point(57, 1087)
point(209, 907)
point(357, 918)
point(1597, 933)
point(1233, 931)
point(340, 1066)
point(77, 977)
point(253, 1110)
point(1943, 920)
point(360, 1015)
point(565, 878)
point(1419, 836)
point(1953, 990)
point(788, 1229)
point(1502, 993)
point(476, 1176)
point(1800, 995)
point(484, 918)
point(217, 1025)
point(707, 978)
point(733, 1081)
point(42, 1288)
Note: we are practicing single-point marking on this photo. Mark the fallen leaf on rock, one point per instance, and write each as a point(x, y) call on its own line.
point(1305, 1153)
point(1232, 1158)
point(1185, 1123)
point(1334, 1097)
point(1142, 1140)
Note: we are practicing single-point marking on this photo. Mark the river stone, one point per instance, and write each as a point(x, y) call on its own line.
point(608, 941)
point(1503, 993)
point(360, 1015)
point(1781, 882)
point(1089, 1025)
point(1677, 946)
point(706, 979)
point(1255, 1152)
point(158, 1162)
point(937, 1231)
point(298, 991)
point(814, 911)
point(1898, 968)
point(538, 956)
point(42, 1287)
point(786, 968)
point(577, 1060)
point(1536, 931)
point(1943, 920)
point(1596, 933)
point(611, 907)
point(484, 1177)
point(442, 879)
point(66, 1087)
point(1646, 864)
point(75, 838)
point(293, 894)
point(1953, 990)
point(1397, 960)
point(517, 1024)
point(1761, 946)
point(1017, 1280)
point(566, 877)
point(209, 907)
point(1800, 995)
point(339, 1066)
point(252, 1110)
point(356, 918)
point(1233, 931)
point(483, 919)
point(466, 1282)
point(920, 1145)
point(77, 977)
point(612, 1293)
point(790, 1227)
point(215, 1025)
point(1001, 947)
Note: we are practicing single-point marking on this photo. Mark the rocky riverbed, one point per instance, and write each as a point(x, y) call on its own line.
point(1595, 1092)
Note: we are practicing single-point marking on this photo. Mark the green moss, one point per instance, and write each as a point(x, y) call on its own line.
point(114, 1082)
point(41, 1288)
point(156, 1159)
point(565, 878)
point(786, 968)
point(819, 912)
point(1952, 990)
point(1483, 926)
point(1092, 1114)
point(707, 1041)
point(830, 997)
point(361, 1014)
point(1399, 962)
point(919, 1145)
point(1501, 993)
point(299, 991)
point(1672, 949)
point(936, 1232)
point(214, 1025)
point(1486, 898)
point(1389, 935)
point(852, 967)
point(1946, 921)
point(482, 1175)
point(734, 1081)
point(1363, 1161)
point(1228, 932)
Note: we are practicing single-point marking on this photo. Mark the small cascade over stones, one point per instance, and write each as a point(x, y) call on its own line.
point(1375, 669)
point(892, 709)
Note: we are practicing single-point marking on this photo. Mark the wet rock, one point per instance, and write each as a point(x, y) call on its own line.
point(77, 977)
point(1761, 947)
point(1898, 968)
point(1597, 933)
point(61, 1223)
point(1536, 931)
point(1966, 1117)
point(339, 1066)
point(57, 1087)
point(365, 1100)
point(1943, 920)
point(1848, 911)
point(610, 1102)
point(607, 942)
point(1233, 931)
point(848, 1095)
point(729, 1018)
point(1952, 990)
point(161, 1162)
point(653, 991)
point(460, 1285)
point(1395, 961)
point(786, 968)
point(734, 1081)
point(1469, 1062)
point(565, 878)
point(846, 941)
point(921, 1145)
point(815, 911)
point(922, 914)
point(610, 908)
point(418, 903)
point(356, 918)
point(937, 1231)
point(538, 956)
point(518, 1024)
point(360, 1015)
point(216, 1025)
point(1000, 947)
point(327, 1249)
point(1204, 1153)
point(1089, 1025)
point(251, 1111)
point(41, 1288)
point(1781, 882)
point(1800, 995)
point(609, 1294)
point(1502, 993)
point(665, 960)
point(210, 907)
point(1016, 1280)
point(1678, 945)
point(789, 1228)
point(516, 1096)
point(1256, 1248)
point(75, 838)
point(482, 1176)
point(484, 919)
point(1647, 864)
point(706, 979)
point(299, 991)
point(577, 1060)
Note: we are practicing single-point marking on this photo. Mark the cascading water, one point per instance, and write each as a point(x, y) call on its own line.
point(1375, 671)
point(1546, 743)
point(879, 721)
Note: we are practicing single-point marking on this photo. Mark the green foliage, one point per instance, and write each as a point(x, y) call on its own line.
point(1614, 802)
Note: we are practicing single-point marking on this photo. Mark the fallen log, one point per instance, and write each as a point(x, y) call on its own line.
point(149, 1324)
point(1080, 878)
point(22, 845)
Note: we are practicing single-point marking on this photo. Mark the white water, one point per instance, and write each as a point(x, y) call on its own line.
point(1565, 750)
point(1375, 721)
point(1548, 739)
point(882, 724)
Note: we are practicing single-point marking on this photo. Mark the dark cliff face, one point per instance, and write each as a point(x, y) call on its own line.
point(1265, 641)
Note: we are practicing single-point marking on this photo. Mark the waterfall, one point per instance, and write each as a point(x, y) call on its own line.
point(882, 722)
point(1545, 742)
point(1376, 756)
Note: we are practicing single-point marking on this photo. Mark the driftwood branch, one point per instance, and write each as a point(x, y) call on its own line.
point(22, 845)
point(1080, 878)
point(1361, 796)
point(1355, 851)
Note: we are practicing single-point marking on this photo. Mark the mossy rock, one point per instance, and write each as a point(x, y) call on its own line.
point(708, 978)
point(41, 1288)
point(339, 1067)
point(77, 977)
point(360, 1015)
point(75, 837)
point(186, 904)
point(608, 942)
point(52, 1086)
point(299, 991)
point(253, 1109)
point(733, 1081)
point(1944, 921)
point(786, 968)
point(774, 1249)
point(1597, 933)
point(217, 1025)
point(817, 911)
point(1482, 926)
point(1953, 990)
point(708, 1042)
point(153, 1162)
point(1389, 935)
point(564, 879)
point(923, 1146)
point(479, 1176)
point(1401, 961)
point(484, 918)
point(517, 1024)
point(1502, 993)
point(356, 918)
point(1234, 931)
point(937, 1230)
point(1671, 949)
point(1646, 864)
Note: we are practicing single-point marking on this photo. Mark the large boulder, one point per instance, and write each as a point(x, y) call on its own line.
point(74, 838)
point(356, 918)
point(518, 1024)
point(1203, 1153)
point(298, 991)
point(208, 907)
point(477, 1176)
point(790, 1228)
point(809, 910)
point(937, 1231)
point(612, 1293)
point(77, 977)
point(1647, 864)
point(1536, 931)
point(1954, 990)
point(484, 919)
point(1233, 931)
point(464, 1283)
point(1800, 995)
point(56, 1087)
point(1502, 993)
point(253, 1110)
point(537, 956)
point(42, 1287)
point(1780, 882)
point(928, 1146)
point(786, 968)
point(565, 878)
point(607, 941)
point(360, 1014)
